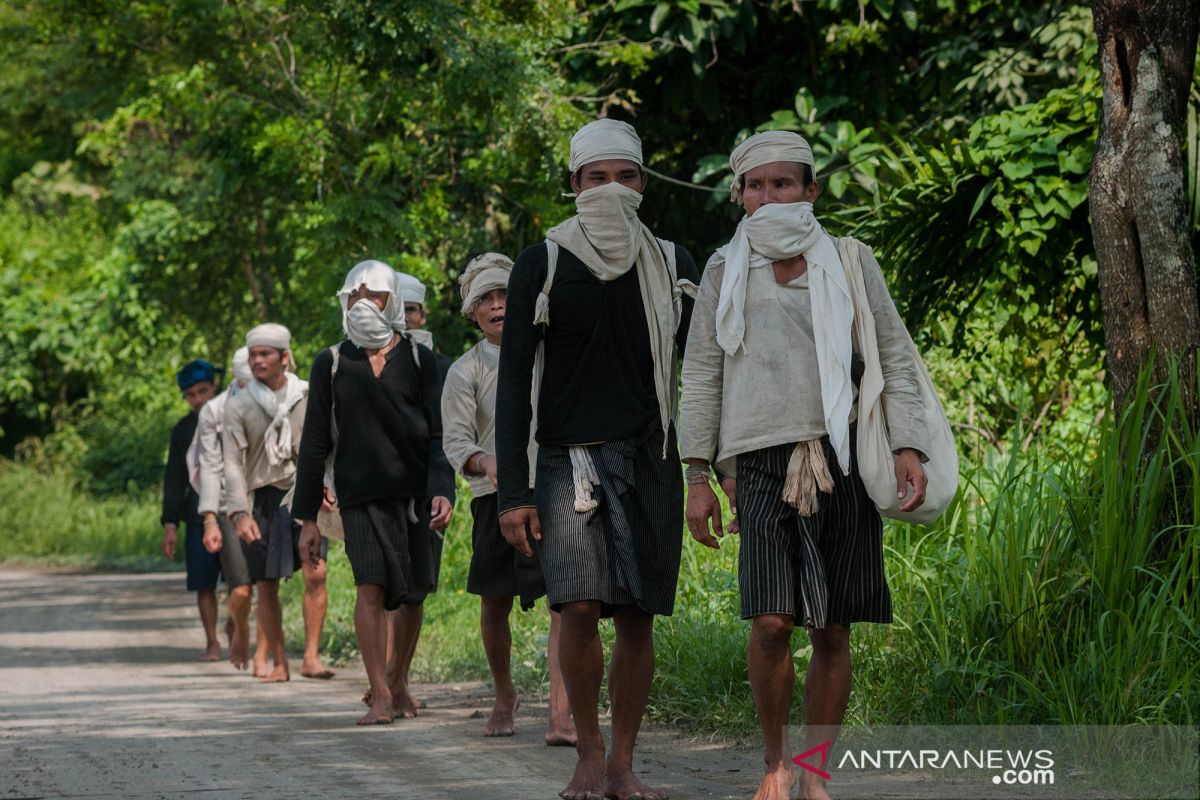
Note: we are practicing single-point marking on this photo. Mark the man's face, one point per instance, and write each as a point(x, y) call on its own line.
point(199, 393)
point(266, 364)
point(613, 170)
point(414, 316)
point(777, 182)
point(489, 313)
point(380, 299)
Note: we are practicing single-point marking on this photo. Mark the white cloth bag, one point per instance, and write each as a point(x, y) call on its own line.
point(876, 463)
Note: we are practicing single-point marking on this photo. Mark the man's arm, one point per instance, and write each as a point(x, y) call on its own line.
point(441, 474)
point(316, 440)
point(233, 452)
point(212, 468)
point(703, 377)
point(460, 440)
point(514, 411)
point(901, 397)
point(175, 480)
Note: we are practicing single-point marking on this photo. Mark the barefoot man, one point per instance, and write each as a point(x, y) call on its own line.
point(181, 480)
point(767, 385)
point(405, 630)
point(498, 573)
point(260, 439)
point(219, 535)
point(600, 299)
point(374, 405)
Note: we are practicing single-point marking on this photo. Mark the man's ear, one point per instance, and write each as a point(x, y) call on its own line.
point(575, 182)
point(645, 180)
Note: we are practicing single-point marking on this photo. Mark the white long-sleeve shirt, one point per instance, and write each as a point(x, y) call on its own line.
point(469, 413)
point(770, 392)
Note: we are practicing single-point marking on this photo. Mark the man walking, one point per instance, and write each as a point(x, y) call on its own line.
point(181, 481)
point(497, 573)
point(373, 405)
point(260, 439)
point(769, 385)
point(600, 299)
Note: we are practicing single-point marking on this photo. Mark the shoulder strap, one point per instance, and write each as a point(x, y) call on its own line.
point(541, 309)
point(668, 251)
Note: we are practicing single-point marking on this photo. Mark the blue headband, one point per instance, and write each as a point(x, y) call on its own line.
point(194, 372)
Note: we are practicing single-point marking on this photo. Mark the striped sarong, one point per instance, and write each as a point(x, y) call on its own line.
point(827, 568)
point(625, 551)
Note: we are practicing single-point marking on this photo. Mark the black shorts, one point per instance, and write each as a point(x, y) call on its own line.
point(827, 568)
point(497, 569)
point(386, 550)
point(203, 567)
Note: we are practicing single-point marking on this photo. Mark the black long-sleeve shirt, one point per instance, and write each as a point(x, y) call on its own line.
point(389, 430)
point(180, 501)
point(598, 376)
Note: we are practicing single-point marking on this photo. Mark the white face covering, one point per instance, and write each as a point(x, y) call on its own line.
point(609, 220)
point(365, 324)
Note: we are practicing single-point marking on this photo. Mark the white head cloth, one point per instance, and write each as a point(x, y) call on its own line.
point(269, 334)
point(241, 370)
point(604, 140)
point(780, 231)
point(279, 432)
point(412, 290)
point(484, 273)
point(364, 323)
point(767, 148)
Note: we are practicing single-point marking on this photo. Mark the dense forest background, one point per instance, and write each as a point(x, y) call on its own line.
point(174, 171)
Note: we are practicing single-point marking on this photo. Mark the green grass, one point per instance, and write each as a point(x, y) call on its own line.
point(1056, 589)
point(50, 519)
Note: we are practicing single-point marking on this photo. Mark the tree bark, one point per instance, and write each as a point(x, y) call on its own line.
point(1147, 269)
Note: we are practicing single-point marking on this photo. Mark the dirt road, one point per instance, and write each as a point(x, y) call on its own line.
point(100, 697)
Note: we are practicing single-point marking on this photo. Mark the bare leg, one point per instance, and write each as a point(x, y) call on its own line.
point(629, 677)
point(370, 625)
point(206, 600)
point(271, 614)
point(261, 651)
point(316, 601)
point(582, 663)
point(772, 677)
point(561, 731)
point(239, 613)
point(826, 695)
point(406, 629)
point(497, 645)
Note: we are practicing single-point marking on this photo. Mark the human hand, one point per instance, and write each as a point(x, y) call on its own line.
point(170, 540)
point(517, 525)
point(439, 513)
point(212, 536)
point(247, 529)
point(703, 507)
point(909, 471)
point(310, 543)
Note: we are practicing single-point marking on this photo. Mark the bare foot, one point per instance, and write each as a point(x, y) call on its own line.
point(316, 670)
point(239, 653)
point(278, 675)
point(211, 653)
point(261, 670)
point(366, 698)
point(561, 732)
point(501, 722)
point(777, 784)
point(229, 630)
point(588, 781)
point(403, 702)
point(380, 713)
point(622, 784)
point(812, 787)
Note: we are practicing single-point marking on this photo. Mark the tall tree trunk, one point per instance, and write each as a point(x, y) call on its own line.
point(1147, 269)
